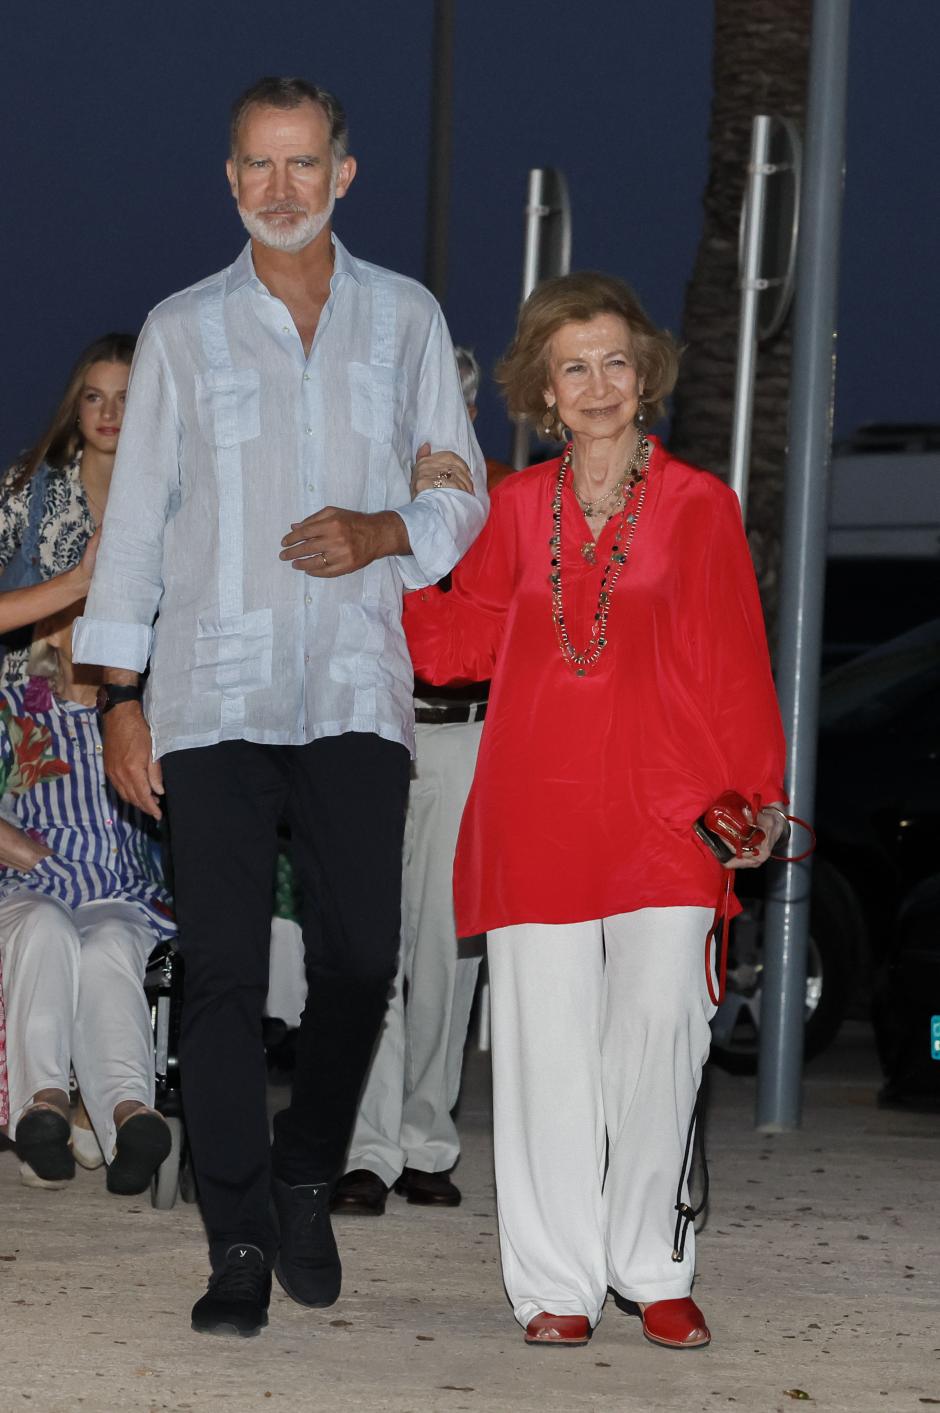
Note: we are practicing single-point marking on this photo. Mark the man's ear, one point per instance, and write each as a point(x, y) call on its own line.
point(232, 178)
point(347, 175)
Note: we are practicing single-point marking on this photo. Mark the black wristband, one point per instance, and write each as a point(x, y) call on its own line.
point(110, 696)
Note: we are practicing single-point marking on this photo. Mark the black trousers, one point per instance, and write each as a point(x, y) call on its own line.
point(344, 798)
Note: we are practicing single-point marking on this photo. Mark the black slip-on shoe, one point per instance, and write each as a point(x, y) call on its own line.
point(143, 1141)
point(428, 1189)
point(308, 1265)
point(42, 1141)
point(360, 1193)
point(237, 1299)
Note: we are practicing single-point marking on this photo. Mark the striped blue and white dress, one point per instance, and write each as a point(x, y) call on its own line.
point(100, 846)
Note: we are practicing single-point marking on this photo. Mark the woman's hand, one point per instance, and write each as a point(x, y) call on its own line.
point(440, 470)
point(771, 820)
point(19, 850)
point(86, 566)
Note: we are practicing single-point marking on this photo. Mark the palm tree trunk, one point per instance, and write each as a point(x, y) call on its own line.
point(761, 64)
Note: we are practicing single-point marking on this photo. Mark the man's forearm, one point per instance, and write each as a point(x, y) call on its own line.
point(394, 533)
point(121, 677)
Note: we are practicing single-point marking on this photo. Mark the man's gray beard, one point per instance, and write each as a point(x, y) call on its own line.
point(287, 238)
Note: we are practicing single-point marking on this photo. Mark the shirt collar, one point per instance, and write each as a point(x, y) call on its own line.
point(242, 271)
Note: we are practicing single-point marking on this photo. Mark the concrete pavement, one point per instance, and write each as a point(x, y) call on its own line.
point(818, 1274)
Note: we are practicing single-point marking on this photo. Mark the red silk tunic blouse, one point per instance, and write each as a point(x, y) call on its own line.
point(586, 788)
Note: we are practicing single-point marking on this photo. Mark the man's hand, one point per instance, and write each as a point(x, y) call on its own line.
point(18, 850)
point(334, 542)
point(440, 470)
point(128, 763)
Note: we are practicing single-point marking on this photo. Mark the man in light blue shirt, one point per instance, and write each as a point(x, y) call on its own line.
point(259, 535)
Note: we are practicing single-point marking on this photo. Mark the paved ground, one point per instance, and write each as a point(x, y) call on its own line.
point(819, 1274)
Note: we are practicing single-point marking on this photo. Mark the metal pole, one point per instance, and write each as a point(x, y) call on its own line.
point(439, 156)
point(751, 285)
point(535, 213)
point(804, 556)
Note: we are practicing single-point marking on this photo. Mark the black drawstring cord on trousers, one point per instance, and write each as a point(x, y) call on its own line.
point(686, 1213)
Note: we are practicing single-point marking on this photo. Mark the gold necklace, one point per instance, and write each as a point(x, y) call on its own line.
point(590, 506)
point(623, 539)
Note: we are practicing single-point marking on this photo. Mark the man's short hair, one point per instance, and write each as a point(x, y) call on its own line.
point(469, 370)
point(291, 93)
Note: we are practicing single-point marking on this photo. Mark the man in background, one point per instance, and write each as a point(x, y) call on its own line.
point(404, 1135)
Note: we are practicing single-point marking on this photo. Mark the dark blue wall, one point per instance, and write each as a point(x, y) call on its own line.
point(115, 123)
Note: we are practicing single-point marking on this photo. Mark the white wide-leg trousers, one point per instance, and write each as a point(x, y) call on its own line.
point(404, 1117)
point(600, 1031)
point(73, 988)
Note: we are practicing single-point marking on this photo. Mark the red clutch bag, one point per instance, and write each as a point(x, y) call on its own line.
point(729, 829)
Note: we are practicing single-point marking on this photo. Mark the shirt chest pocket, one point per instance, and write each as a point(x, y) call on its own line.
point(377, 396)
point(228, 404)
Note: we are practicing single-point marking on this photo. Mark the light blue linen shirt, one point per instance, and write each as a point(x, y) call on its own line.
point(230, 434)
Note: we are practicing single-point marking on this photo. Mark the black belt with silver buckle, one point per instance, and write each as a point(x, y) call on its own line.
point(437, 716)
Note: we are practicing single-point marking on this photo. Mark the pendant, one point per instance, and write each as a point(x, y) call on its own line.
point(588, 552)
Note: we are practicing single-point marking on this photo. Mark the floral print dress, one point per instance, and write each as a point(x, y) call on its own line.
point(63, 526)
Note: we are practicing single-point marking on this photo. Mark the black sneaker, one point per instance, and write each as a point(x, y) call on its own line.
point(308, 1265)
point(236, 1302)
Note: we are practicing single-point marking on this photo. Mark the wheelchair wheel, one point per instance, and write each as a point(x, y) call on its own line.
point(166, 1180)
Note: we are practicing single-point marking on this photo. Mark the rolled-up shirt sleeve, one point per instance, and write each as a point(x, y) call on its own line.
point(116, 629)
point(442, 524)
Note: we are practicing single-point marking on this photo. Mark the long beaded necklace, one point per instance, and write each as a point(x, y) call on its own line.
point(623, 539)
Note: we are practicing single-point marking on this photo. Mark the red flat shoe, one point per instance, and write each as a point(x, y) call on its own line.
point(553, 1330)
point(678, 1324)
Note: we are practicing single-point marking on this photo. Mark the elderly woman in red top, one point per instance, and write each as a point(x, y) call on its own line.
point(612, 601)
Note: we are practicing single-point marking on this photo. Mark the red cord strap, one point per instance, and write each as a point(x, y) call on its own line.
point(797, 858)
point(719, 931)
point(721, 921)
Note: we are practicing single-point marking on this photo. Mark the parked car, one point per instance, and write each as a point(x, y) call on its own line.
point(877, 819)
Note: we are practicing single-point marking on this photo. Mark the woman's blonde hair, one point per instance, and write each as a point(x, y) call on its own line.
point(44, 660)
point(574, 299)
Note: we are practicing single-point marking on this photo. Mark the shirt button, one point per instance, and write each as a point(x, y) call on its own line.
point(285, 328)
point(309, 431)
point(98, 750)
point(306, 657)
point(307, 599)
point(306, 377)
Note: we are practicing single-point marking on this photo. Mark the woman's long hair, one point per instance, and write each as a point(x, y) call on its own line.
point(61, 439)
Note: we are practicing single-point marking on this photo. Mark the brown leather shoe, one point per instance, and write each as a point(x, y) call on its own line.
point(678, 1324)
point(428, 1189)
point(360, 1193)
point(553, 1330)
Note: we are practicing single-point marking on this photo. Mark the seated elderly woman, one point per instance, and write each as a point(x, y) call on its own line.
point(612, 601)
point(81, 908)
